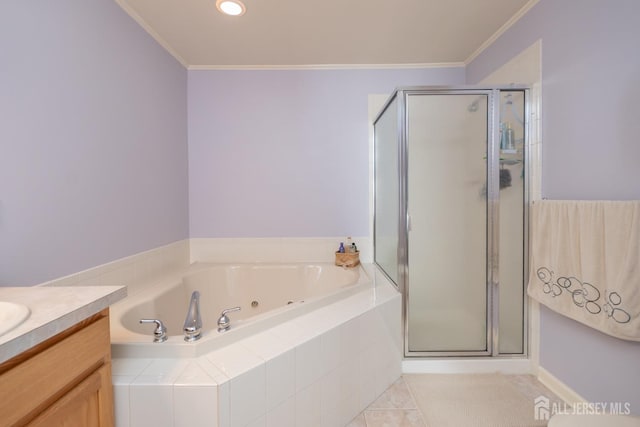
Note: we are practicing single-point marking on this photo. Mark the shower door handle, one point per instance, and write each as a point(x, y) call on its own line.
point(409, 226)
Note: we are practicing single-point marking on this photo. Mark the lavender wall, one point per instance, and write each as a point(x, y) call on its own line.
point(285, 153)
point(93, 137)
point(591, 75)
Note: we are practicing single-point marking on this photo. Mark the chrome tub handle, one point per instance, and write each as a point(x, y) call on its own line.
point(224, 323)
point(160, 333)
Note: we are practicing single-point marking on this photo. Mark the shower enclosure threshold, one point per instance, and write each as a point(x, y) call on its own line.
point(475, 365)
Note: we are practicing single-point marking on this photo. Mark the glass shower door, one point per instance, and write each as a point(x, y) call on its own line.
point(512, 222)
point(447, 292)
point(387, 191)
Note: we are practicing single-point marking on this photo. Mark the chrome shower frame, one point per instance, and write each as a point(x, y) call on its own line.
point(493, 211)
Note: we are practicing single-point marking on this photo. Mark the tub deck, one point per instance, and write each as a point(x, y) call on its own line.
point(168, 300)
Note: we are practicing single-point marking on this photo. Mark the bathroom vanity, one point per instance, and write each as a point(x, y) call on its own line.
point(55, 366)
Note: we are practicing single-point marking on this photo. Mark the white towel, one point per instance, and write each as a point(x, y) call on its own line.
point(585, 262)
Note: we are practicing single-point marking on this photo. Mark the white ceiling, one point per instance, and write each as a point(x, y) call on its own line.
point(299, 33)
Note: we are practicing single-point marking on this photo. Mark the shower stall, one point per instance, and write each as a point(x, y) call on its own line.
point(450, 216)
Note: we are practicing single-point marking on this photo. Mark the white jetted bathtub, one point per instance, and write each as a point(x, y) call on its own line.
point(314, 344)
point(266, 293)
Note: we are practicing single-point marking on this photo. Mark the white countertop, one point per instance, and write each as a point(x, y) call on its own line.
point(53, 310)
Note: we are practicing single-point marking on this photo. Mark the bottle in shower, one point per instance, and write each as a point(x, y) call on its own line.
point(510, 139)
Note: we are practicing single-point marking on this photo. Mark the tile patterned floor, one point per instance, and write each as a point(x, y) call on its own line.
point(397, 407)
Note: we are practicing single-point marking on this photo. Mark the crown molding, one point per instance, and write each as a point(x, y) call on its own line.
point(326, 66)
point(515, 18)
point(156, 36)
point(165, 45)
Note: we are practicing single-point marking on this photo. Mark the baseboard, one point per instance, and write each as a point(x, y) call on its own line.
point(466, 366)
point(563, 391)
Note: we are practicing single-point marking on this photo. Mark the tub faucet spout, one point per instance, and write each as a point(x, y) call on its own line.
point(193, 322)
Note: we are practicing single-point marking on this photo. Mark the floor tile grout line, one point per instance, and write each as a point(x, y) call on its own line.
point(395, 409)
point(404, 411)
point(526, 386)
point(415, 402)
point(389, 409)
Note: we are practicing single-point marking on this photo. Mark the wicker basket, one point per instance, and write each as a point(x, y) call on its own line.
point(347, 259)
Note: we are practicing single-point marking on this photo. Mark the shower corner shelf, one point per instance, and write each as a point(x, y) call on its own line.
point(509, 157)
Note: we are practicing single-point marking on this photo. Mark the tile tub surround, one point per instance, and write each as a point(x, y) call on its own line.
point(132, 270)
point(274, 249)
point(137, 270)
point(320, 369)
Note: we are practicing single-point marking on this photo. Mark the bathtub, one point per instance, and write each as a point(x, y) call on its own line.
point(268, 295)
point(319, 344)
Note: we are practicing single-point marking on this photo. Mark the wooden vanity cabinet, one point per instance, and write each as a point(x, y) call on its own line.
point(64, 381)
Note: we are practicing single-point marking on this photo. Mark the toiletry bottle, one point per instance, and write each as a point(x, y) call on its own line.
point(341, 248)
point(503, 136)
point(510, 140)
point(349, 244)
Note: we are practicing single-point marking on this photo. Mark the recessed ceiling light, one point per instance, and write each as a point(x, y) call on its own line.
point(231, 7)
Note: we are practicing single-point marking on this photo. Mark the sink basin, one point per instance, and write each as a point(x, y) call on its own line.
point(11, 315)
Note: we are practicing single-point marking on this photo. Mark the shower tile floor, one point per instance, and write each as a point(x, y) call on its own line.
point(443, 400)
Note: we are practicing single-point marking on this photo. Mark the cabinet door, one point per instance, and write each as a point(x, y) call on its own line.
point(89, 404)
